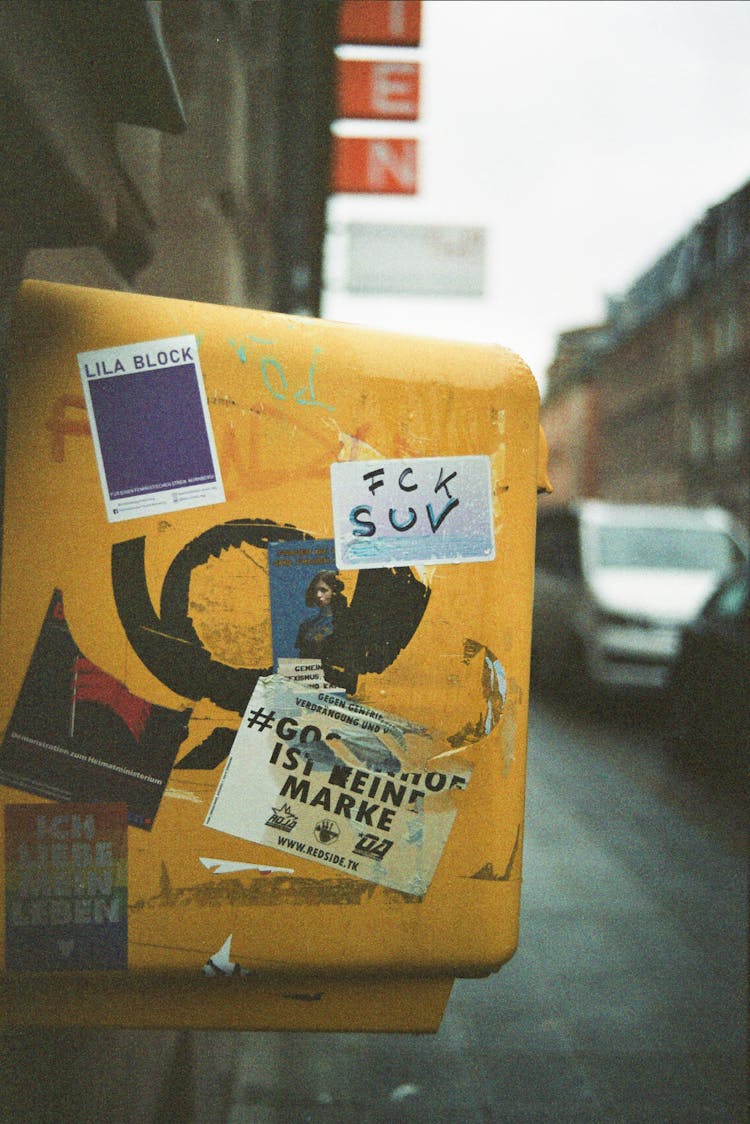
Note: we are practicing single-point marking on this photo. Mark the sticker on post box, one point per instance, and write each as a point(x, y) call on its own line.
point(424, 510)
point(77, 733)
point(152, 432)
point(66, 887)
point(327, 779)
point(308, 601)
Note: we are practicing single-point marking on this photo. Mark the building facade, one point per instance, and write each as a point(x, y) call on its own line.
point(179, 148)
point(664, 379)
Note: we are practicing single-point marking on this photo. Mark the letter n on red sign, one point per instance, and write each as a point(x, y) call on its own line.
point(378, 165)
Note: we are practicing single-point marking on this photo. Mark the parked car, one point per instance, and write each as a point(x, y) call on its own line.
point(615, 583)
point(708, 691)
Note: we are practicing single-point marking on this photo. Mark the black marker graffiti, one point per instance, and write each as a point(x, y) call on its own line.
point(386, 609)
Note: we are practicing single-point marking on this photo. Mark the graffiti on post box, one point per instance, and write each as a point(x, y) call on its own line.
point(360, 516)
point(211, 751)
point(77, 733)
point(487, 873)
point(386, 609)
point(406, 512)
point(274, 376)
point(167, 643)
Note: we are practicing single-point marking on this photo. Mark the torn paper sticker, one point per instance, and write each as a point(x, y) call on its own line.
point(333, 781)
point(152, 432)
point(229, 866)
point(307, 600)
point(425, 510)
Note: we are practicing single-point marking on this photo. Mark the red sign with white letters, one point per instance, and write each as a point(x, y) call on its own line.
point(378, 165)
point(392, 23)
point(382, 89)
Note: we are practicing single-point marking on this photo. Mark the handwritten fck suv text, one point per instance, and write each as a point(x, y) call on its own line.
point(428, 509)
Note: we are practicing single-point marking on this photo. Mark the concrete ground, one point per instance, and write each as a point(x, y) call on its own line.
point(626, 1001)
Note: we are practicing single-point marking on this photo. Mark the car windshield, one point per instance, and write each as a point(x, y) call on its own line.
point(665, 548)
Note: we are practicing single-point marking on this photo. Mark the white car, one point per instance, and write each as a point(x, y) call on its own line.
point(614, 583)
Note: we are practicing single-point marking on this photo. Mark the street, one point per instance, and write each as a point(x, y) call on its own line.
point(626, 1000)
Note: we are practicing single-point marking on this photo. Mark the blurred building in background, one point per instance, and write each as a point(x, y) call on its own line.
point(653, 405)
point(179, 148)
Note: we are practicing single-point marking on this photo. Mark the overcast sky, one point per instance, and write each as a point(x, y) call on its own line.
point(586, 136)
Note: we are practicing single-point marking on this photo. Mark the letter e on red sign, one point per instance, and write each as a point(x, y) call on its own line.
point(381, 90)
point(381, 22)
point(378, 165)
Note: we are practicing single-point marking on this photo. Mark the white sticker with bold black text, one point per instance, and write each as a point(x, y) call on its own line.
point(424, 510)
point(328, 779)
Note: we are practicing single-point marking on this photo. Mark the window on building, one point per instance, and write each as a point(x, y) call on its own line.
point(682, 345)
point(698, 348)
point(726, 333)
point(644, 439)
point(699, 435)
point(728, 428)
point(728, 235)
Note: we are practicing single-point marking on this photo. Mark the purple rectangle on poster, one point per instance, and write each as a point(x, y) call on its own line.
point(151, 457)
point(151, 427)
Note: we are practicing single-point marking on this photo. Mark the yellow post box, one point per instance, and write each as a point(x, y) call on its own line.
point(266, 616)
